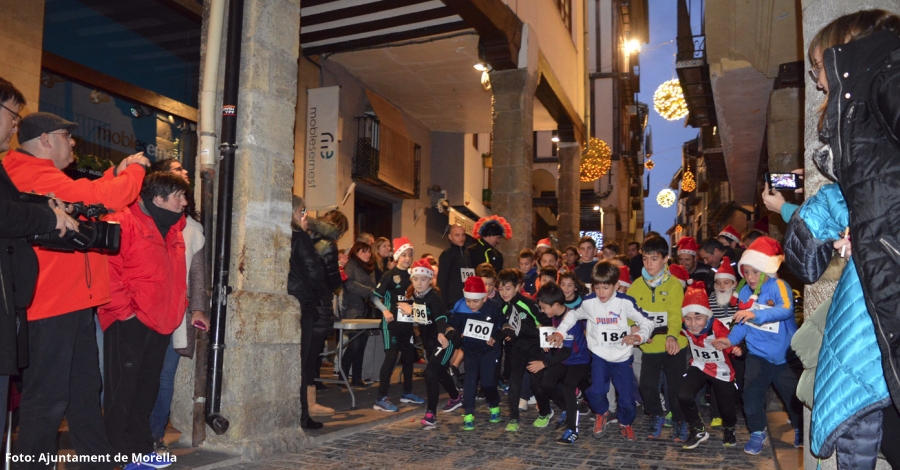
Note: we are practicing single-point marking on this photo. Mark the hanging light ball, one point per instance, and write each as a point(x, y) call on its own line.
point(679, 228)
point(666, 198)
point(668, 101)
point(649, 164)
point(688, 183)
point(596, 160)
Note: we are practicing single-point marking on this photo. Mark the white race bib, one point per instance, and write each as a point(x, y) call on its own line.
point(707, 353)
point(466, 273)
point(659, 319)
point(727, 321)
point(545, 333)
point(589, 289)
point(476, 329)
point(420, 314)
point(404, 318)
point(515, 322)
point(771, 327)
point(611, 336)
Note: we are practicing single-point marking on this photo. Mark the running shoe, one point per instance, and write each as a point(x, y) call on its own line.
point(600, 424)
point(656, 427)
point(495, 414)
point(468, 423)
point(452, 404)
point(543, 421)
point(728, 439)
point(755, 444)
point(669, 423)
point(385, 405)
point(561, 421)
point(513, 425)
point(716, 423)
point(627, 432)
point(681, 432)
point(411, 398)
point(568, 437)
point(429, 420)
point(697, 436)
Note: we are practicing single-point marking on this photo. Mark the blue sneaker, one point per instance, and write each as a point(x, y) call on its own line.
point(468, 423)
point(656, 427)
point(755, 444)
point(561, 421)
point(385, 405)
point(411, 398)
point(495, 414)
point(798, 438)
point(568, 437)
point(503, 387)
point(681, 432)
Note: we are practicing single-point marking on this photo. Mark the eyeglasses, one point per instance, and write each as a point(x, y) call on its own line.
point(179, 169)
point(16, 115)
point(67, 134)
point(814, 71)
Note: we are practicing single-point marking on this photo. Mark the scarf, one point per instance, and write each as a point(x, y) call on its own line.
point(749, 303)
point(422, 295)
point(655, 281)
point(163, 218)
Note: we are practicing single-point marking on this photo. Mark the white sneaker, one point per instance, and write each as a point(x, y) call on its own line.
point(523, 405)
point(532, 401)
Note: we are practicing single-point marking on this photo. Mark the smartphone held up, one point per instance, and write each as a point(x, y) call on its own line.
point(783, 181)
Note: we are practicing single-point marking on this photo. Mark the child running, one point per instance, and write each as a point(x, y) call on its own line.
point(569, 365)
point(396, 327)
point(765, 320)
point(431, 316)
point(522, 329)
point(708, 366)
point(611, 344)
point(480, 324)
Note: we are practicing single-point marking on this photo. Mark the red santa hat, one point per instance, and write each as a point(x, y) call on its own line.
point(726, 271)
point(624, 276)
point(400, 245)
point(678, 272)
point(474, 288)
point(696, 300)
point(764, 255)
point(544, 243)
point(731, 233)
point(688, 245)
point(422, 267)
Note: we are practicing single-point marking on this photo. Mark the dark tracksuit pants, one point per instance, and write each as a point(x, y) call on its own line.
point(521, 355)
point(739, 365)
point(397, 341)
point(694, 381)
point(674, 368)
point(437, 376)
point(564, 396)
point(483, 364)
point(759, 375)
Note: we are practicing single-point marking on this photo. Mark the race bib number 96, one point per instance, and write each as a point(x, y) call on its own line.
point(420, 314)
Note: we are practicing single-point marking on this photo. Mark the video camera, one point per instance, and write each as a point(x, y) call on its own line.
point(92, 234)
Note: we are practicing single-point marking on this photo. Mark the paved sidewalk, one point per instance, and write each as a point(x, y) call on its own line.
point(405, 445)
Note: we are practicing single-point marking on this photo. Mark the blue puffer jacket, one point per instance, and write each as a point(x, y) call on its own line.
point(849, 379)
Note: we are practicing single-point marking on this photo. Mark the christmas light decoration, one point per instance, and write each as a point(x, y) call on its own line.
point(668, 101)
point(679, 228)
point(649, 164)
point(666, 198)
point(688, 183)
point(596, 160)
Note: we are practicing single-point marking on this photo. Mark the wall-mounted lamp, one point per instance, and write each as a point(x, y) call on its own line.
point(555, 137)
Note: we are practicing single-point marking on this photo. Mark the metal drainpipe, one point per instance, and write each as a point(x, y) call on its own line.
point(207, 130)
point(222, 261)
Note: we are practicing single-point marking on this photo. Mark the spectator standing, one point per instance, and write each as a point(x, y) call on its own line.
point(358, 288)
point(63, 377)
point(456, 267)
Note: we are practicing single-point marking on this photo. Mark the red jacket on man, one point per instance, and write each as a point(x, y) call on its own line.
point(68, 282)
point(148, 276)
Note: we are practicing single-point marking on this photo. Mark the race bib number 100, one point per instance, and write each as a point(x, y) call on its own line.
point(546, 332)
point(476, 329)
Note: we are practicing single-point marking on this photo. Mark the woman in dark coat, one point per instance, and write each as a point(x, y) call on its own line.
point(360, 283)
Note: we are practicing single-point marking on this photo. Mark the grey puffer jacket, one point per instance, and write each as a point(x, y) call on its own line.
point(357, 289)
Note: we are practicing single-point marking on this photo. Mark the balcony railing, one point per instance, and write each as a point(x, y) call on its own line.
point(386, 158)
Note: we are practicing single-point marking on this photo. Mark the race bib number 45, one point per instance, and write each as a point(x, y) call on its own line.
point(476, 329)
point(660, 321)
point(545, 333)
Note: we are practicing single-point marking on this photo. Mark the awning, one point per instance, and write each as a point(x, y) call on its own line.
point(387, 114)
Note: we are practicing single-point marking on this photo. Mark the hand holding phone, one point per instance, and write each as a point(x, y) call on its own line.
point(783, 181)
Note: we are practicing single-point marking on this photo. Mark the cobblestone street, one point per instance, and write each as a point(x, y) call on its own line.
point(404, 445)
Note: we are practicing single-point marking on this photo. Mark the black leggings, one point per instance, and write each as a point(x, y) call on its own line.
point(397, 341)
point(436, 376)
point(520, 357)
point(565, 396)
point(352, 361)
point(695, 380)
point(309, 354)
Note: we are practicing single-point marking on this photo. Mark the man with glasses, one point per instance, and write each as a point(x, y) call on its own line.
point(18, 265)
point(63, 378)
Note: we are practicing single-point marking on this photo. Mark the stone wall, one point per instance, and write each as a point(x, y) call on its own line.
point(817, 14)
point(261, 386)
point(20, 57)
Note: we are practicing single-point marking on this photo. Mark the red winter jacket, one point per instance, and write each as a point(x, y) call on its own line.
point(148, 276)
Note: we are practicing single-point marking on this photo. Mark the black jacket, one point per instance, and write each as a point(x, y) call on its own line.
point(324, 238)
point(862, 130)
point(18, 270)
point(482, 252)
point(450, 278)
point(357, 289)
point(306, 270)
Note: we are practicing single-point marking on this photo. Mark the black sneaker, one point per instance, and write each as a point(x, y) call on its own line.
point(696, 437)
point(728, 439)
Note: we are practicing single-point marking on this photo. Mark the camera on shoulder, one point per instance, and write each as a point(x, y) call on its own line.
point(92, 234)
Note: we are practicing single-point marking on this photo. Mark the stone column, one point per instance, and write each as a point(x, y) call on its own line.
point(784, 143)
point(569, 192)
point(817, 14)
point(513, 154)
point(261, 386)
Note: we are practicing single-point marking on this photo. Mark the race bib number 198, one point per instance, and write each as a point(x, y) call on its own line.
point(466, 273)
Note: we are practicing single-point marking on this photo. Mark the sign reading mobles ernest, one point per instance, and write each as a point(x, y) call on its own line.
point(321, 148)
